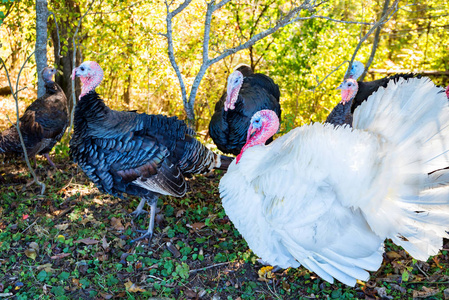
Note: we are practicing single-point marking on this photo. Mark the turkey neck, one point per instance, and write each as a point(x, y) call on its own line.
point(90, 108)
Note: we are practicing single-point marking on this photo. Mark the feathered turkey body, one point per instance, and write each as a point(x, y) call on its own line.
point(343, 111)
point(247, 93)
point(42, 125)
point(327, 197)
point(138, 154)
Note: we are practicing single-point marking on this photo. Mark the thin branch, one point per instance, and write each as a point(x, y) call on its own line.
point(179, 9)
point(31, 225)
point(320, 82)
point(57, 33)
point(265, 50)
point(339, 21)
point(17, 125)
point(375, 42)
point(72, 113)
point(171, 55)
point(209, 267)
point(390, 12)
point(115, 11)
point(9, 11)
point(279, 24)
point(221, 4)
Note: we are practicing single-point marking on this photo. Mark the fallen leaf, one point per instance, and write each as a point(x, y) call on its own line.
point(102, 257)
point(196, 226)
point(117, 224)
point(31, 253)
point(76, 282)
point(24, 217)
point(87, 219)
point(426, 292)
point(172, 248)
point(60, 255)
point(179, 213)
point(88, 241)
point(46, 267)
point(106, 296)
point(190, 293)
point(104, 243)
point(62, 227)
point(34, 246)
point(265, 272)
point(393, 255)
point(121, 243)
point(132, 288)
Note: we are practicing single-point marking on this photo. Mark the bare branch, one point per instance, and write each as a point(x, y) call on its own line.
point(320, 82)
point(171, 55)
point(72, 113)
point(221, 4)
point(390, 12)
point(279, 24)
point(375, 42)
point(115, 11)
point(9, 11)
point(57, 33)
point(177, 10)
point(17, 125)
point(330, 19)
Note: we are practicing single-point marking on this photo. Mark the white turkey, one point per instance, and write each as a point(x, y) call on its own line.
point(327, 197)
point(138, 154)
point(246, 94)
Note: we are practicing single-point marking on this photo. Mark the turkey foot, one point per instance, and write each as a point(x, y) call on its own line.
point(139, 210)
point(149, 233)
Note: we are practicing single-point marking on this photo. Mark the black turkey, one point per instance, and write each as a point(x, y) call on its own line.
point(138, 154)
point(342, 112)
point(42, 125)
point(246, 94)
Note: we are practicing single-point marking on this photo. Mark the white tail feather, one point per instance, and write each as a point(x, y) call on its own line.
point(412, 119)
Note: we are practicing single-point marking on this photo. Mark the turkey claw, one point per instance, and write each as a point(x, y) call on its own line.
point(148, 235)
point(137, 213)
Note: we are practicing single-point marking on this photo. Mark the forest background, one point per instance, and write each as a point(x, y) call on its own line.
point(127, 39)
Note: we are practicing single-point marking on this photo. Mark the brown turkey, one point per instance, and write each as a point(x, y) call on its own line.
point(42, 125)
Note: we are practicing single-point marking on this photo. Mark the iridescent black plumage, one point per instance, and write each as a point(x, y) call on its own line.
point(228, 129)
point(342, 114)
point(138, 154)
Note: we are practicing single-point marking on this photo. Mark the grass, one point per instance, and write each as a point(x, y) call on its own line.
point(74, 243)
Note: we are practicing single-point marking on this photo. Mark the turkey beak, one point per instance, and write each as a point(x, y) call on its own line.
point(251, 132)
point(340, 87)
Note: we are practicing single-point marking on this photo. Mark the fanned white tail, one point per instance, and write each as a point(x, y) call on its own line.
point(327, 197)
point(411, 118)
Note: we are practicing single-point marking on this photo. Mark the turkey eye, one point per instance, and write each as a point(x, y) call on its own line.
point(82, 68)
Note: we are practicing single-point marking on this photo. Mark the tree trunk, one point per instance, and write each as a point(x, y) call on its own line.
point(130, 46)
point(41, 43)
point(127, 92)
